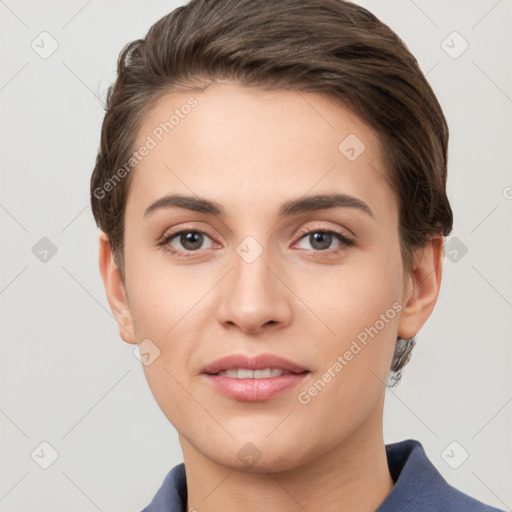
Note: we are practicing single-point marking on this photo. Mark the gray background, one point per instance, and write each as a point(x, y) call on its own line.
point(66, 376)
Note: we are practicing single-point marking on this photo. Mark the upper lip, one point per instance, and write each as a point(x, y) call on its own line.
point(259, 362)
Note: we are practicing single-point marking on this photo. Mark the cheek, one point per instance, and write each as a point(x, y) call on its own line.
point(161, 293)
point(349, 297)
point(164, 302)
point(361, 307)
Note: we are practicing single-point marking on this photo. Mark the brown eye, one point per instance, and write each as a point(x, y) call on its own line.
point(191, 240)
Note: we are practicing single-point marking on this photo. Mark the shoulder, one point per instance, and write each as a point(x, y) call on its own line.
point(419, 486)
point(172, 494)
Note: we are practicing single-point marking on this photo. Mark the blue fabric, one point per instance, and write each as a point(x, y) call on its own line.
point(419, 487)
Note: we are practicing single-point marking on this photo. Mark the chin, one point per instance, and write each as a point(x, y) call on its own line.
point(257, 456)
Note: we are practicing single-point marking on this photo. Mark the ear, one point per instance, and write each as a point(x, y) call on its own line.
point(114, 288)
point(422, 287)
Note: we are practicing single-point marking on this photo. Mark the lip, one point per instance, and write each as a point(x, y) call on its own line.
point(252, 390)
point(259, 362)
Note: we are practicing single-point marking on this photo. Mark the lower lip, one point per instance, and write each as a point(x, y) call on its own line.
point(254, 390)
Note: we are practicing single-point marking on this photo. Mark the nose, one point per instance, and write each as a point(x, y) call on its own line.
point(252, 297)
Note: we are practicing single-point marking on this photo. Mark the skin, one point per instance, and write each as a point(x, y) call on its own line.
point(250, 150)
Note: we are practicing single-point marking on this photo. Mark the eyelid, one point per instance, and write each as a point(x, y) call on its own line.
point(178, 230)
point(313, 227)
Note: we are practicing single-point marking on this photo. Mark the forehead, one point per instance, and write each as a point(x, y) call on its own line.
point(236, 143)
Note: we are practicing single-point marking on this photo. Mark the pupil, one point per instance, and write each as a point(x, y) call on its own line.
point(323, 239)
point(191, 240)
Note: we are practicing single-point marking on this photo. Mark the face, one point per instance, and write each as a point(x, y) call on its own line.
point(256, 266)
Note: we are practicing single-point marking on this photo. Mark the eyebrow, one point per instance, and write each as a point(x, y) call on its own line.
point(293, 207)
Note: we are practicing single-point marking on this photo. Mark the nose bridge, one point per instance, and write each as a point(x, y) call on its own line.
point(252, 296)
point(251, 274)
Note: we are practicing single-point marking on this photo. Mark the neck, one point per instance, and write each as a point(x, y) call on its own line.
point(352, 475)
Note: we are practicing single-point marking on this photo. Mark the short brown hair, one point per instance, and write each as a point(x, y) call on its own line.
point(332, 47)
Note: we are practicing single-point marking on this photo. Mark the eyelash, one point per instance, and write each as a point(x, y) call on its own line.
point(343, 239)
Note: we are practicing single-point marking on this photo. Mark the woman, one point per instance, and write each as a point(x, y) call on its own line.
point(271, 193)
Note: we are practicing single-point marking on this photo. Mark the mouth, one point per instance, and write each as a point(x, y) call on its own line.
point(246, 373)
point(259, 378)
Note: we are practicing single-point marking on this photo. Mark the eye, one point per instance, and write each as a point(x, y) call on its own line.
point(322, 240)
point(185, 242)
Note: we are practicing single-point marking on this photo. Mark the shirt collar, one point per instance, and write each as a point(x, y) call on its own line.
point(418, 485)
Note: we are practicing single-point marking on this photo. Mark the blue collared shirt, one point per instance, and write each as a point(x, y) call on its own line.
point(419, 487)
